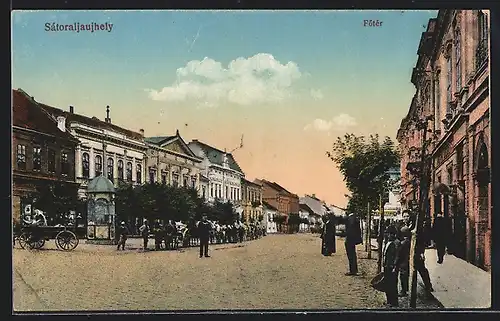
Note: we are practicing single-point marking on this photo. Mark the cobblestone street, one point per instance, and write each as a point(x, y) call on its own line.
point(275, 272)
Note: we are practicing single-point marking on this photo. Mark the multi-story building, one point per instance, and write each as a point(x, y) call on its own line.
point(277, 196)
point(251, 200)
point(452, 82)
point(42, 153)
point(171, 161)
point(105, 148)
point(223, 173)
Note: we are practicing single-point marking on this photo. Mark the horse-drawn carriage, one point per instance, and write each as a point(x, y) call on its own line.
point(34, 233)
point(34, 237)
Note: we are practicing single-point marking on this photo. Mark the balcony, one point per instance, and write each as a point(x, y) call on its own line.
point(481, 54)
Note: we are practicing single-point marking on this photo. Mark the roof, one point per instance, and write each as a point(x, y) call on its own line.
point(216, 156)
point(277, 187)
point(269, 206)
point(27, 113)
point(314, 204)
point(163, 141)
point(158, 140)
point(91, 121)
point(100, 184)
point(247, 182)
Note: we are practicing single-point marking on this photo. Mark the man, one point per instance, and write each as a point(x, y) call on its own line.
point(390, 267)
point(144, 230)
point(403, 263)
point(353, 238)
point(421, 244)
point(159, 233)
point(440, 236)
point(328, 237)
point(204, 228)
point(171, 233)
point(123, 233)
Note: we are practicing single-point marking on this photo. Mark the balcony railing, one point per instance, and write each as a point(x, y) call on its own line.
point(481, 54)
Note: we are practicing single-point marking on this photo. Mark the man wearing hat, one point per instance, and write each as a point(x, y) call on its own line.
point(204, 228)
point(403, 262)
point(144, 230)
point(390, 267)
point(122, 232)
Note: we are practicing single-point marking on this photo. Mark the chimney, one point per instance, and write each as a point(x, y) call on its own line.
point(142, 132)
point(71, 110)
point(61, 123)
point(177, 132)
point(108, 120)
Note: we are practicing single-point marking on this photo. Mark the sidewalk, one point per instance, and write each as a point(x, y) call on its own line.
point(457, 283)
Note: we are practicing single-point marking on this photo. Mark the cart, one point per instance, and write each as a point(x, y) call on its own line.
point(34, 237)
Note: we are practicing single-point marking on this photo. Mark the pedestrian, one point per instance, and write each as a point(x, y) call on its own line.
point(390, 267)
point(440, 235)
point(420, 245)
point(353, 237)
point(403, 263)
point(123, 233)
point(204, 228)
point(328, 237)
point(159, 233)
point(144, 230)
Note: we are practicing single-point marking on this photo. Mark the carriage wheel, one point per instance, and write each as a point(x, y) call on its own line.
point(23, 240)
point(66, 240)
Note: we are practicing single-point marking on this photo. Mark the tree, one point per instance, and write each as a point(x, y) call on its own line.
point(364, 163)
point(56, 200)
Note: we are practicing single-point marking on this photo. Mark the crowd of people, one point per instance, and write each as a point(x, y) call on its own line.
point(396, 249)
point(204, 232)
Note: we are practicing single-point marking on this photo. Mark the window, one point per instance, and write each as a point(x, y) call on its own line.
point(51, 160)
point(449, 80)
point(129, 171)
point(438, 100)
point(460, 161)
point(184, 180)
point(227, 192)
point(85, 165)
point(203, 191)
point(64, 163)
point(152, 174)
point(138, 173)
point(164, 178)
point(21, 157)
point(175, 180)
point(482, 48)
point(212, 190)
point(98, 165)
point(458, 64)
point(120, 170)
point(37, 158)
point(450, 174)
point(111, 168)
point(193, 182)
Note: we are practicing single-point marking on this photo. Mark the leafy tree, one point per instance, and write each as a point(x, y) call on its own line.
point(364, 163)
point(56, 200)
point(261, 217)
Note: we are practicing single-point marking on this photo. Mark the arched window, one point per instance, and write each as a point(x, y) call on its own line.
point(120, 170)
point(98, 165)
point(138, 173)
point(85, 165)
point(482, 160)
point(111, 168)
point(458, 64)
point(482, 46)
point(129, 172)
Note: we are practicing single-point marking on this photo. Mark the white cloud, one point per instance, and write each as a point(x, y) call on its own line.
point(257, 79)
point(338, 123)
point(316, 94)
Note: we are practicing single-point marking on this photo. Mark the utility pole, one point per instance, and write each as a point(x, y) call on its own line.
point(368, 232)
point(381, 229)
point(421, 125)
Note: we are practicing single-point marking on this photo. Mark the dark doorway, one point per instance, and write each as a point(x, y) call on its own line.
point(483, 182)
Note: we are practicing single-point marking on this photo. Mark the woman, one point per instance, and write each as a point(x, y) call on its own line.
point(328, 237)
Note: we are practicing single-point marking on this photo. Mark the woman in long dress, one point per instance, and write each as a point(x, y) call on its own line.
point(328, 237)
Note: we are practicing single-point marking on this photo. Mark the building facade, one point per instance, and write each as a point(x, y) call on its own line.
point(251, 201)
point(42, 154)
point(277, 196)
point(452, 84)
point(223, 173)
point(105, 148)
point(270, 212)
point(171, 161)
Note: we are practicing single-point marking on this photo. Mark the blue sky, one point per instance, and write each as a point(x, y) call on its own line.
point(360, 76)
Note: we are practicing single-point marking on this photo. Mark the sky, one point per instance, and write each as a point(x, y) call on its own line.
point(289, 82)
